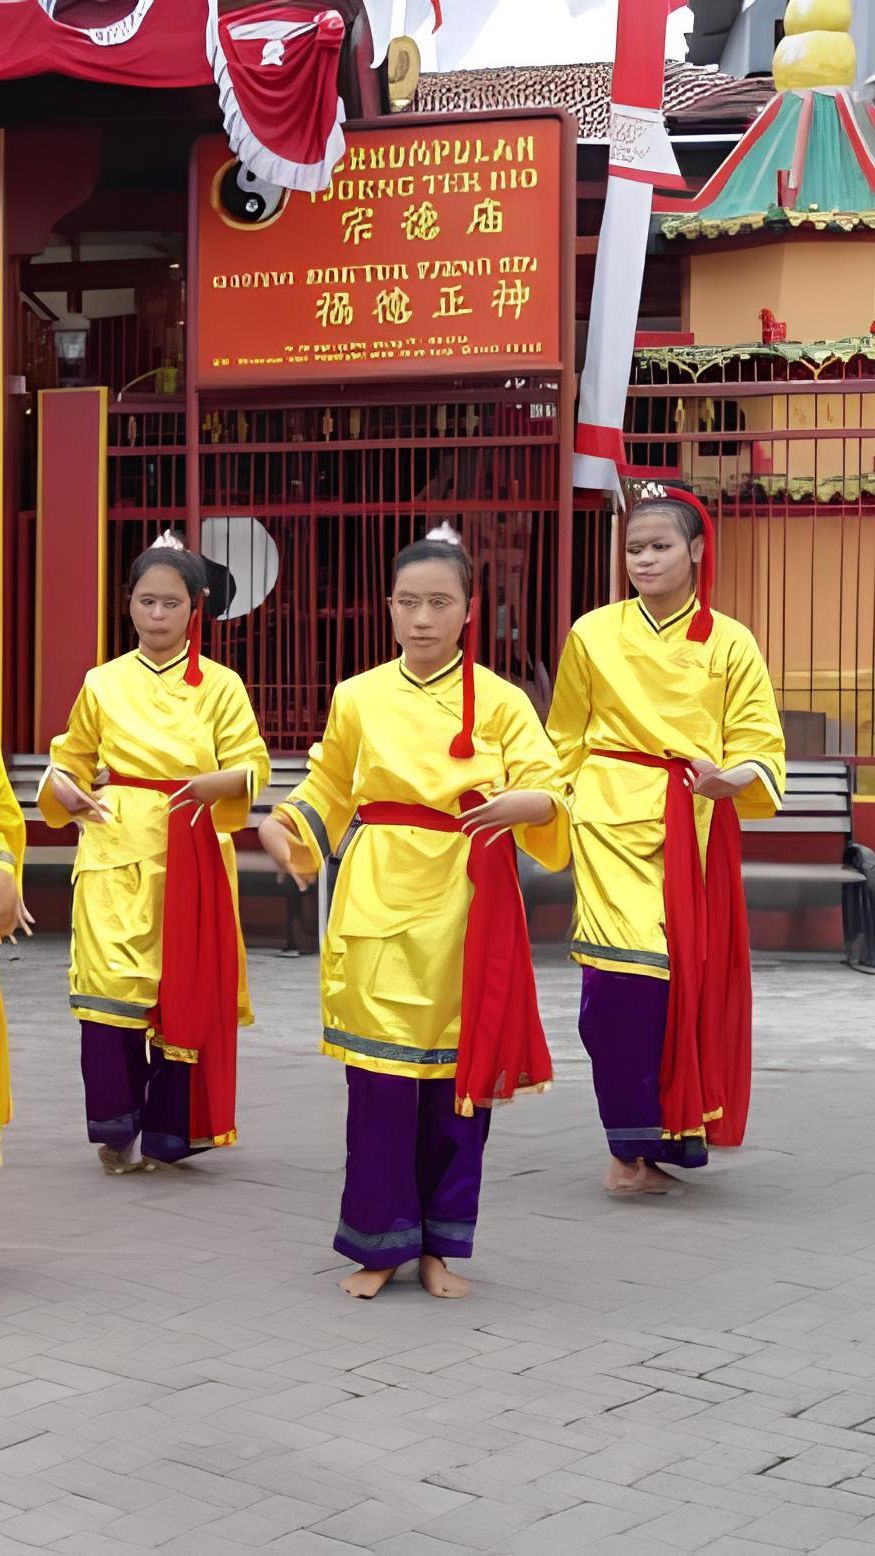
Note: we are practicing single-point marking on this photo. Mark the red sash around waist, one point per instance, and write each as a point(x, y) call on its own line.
point(706, 1064)
point(196, 1010)
point(502, 1048)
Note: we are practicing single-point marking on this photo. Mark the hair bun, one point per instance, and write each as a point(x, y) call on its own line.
point(446, 533)
point(168, 541)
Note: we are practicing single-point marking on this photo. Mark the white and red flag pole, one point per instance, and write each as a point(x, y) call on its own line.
point(641, 159)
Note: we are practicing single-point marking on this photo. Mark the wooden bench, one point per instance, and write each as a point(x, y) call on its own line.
point(815, 824)
point(52, 863)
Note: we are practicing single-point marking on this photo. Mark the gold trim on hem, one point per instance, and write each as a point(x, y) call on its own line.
point(183, 1055)
point(227, 1139)
point(465, 1107)
point(695, 1134)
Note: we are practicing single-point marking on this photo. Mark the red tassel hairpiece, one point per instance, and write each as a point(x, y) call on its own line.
point(700, 627)
point(462, 745)
point(193, 672)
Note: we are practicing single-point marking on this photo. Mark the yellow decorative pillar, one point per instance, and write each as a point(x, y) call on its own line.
point(817, 49)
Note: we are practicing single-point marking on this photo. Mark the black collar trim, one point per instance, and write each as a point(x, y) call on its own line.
point(433, 679)
point(161, 669)
point(662, 626)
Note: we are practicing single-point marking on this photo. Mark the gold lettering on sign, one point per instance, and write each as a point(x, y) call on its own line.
point(451, 303)
point(334, 308)
point(420, 222)
point(358, 225)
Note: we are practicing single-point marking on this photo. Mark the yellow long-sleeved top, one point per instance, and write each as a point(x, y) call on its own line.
point(140, 721)
point(629, 683)
point(12, 841)
point(392, 958)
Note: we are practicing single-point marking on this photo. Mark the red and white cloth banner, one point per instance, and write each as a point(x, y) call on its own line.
point(276, 70)
point(275, 66)
point(416, 14)
point(641, 159)
point(154, 43)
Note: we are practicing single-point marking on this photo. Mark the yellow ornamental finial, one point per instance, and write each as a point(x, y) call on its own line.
point(816, 49)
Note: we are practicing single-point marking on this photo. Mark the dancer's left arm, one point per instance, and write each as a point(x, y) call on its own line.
point(753, 769)
point(532, 802)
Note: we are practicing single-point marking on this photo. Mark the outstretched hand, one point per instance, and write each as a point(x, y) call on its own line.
point(75, 801)
point(13, 913)
point(512, 808)
point(288, 853)
point(207, 789)
point(715, 784)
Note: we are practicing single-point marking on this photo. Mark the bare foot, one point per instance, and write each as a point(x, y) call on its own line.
point(655, 1181)
point(115, 1163)
point(366, 1284)
point(437, 1279)
point(622, 1177)
point(638, 1177)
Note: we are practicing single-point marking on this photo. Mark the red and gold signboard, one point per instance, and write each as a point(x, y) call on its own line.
point(437, 247)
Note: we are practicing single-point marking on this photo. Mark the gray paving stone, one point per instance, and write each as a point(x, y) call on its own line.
point(481, 1525)
point(634, 1542)
point(306, 1543)
point(576, 1529)
point(266, 1521)
point(733, 1546)
point(368, 1523)
point(695, 1528)
point(96, 1545)
point(55, 1520)
point(126, 1493)
point(176, 1356)
point(801, 1528)
point(167, 1517)
point(415, 1545)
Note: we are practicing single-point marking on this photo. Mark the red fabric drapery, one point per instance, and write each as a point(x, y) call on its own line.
point(502, 1047)
point(277, 72)
point(197, 996)
point(706, 1065)
point(161, 43)
point(275, 67)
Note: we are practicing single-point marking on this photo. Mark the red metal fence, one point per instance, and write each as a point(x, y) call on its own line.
point(339, 489)
point(789, 470)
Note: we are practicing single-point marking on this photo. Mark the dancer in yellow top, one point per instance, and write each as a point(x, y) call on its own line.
point(665, 722)
point(162, 753)
point(427, 988)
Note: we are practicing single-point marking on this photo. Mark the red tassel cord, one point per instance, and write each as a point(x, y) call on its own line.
point(700, 627)
point(462, 745)
point(193, 673)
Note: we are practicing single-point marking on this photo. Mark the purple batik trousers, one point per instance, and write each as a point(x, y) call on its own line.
point(622, 1027)
point(413, 1171)
point(131, 1090)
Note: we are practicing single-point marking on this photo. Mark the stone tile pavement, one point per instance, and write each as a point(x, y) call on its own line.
point(178, 1370)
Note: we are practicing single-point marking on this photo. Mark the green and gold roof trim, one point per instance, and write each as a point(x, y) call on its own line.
point(775, 219)
point(816, 355)
point(807, 163)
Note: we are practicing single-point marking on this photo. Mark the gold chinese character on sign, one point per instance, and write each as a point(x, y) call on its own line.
point(510, 296)
point(334, 308)
point(358, 224)
point(393, 307)
point(488, 217)
point(420, 222)
point(451, 304)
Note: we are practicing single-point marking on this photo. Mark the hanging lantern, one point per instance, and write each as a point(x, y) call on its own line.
point(70, 334)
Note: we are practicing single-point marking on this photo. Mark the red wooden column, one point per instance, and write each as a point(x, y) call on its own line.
point(71, 550)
